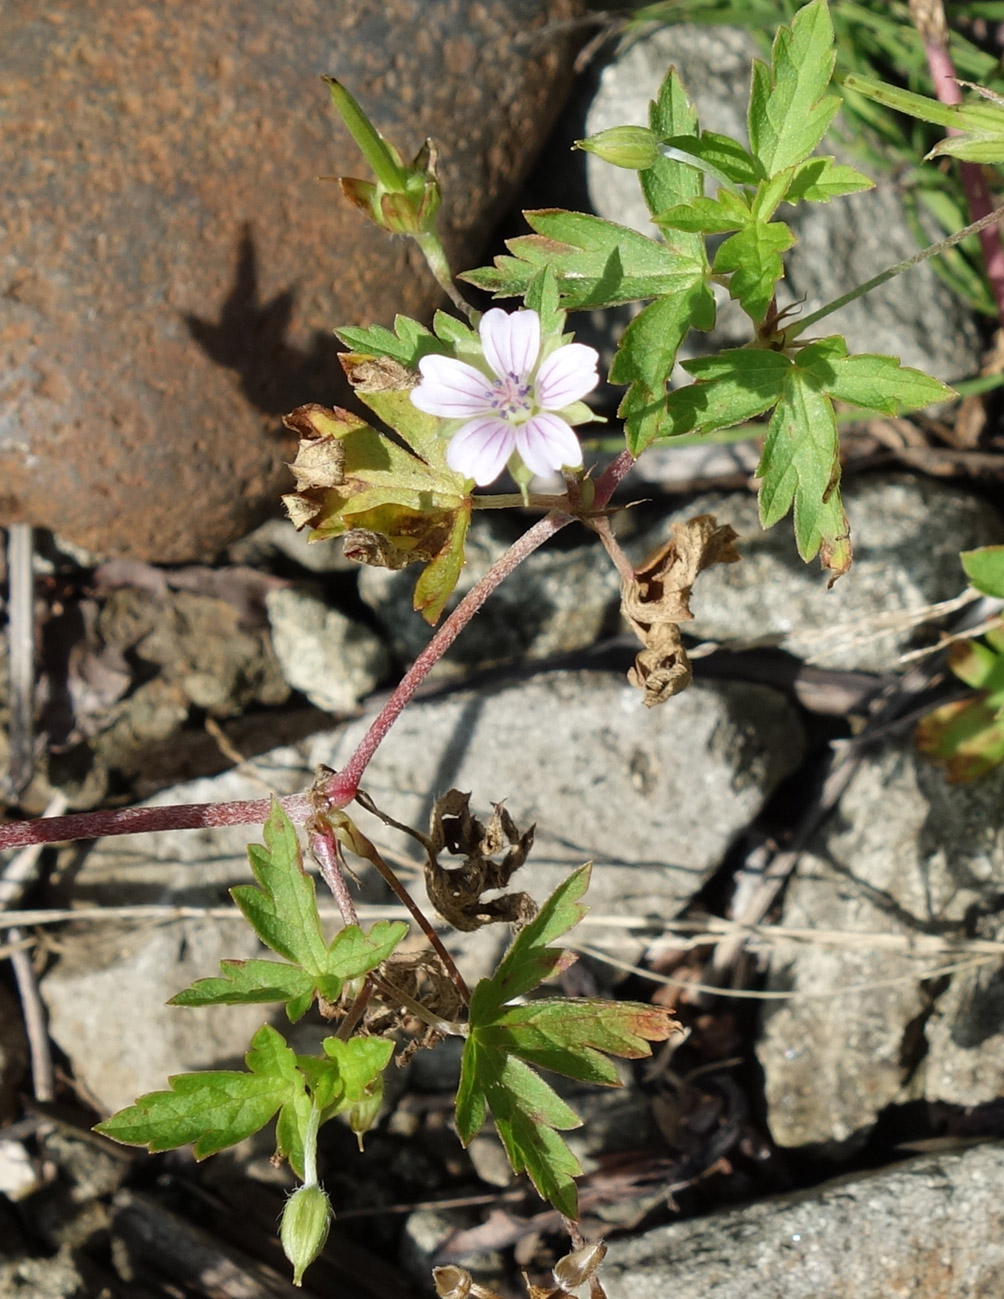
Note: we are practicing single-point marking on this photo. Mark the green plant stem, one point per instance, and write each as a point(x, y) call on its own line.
point(932, 250)
point(326, 851)
point(435, 258)
point(313, 1126)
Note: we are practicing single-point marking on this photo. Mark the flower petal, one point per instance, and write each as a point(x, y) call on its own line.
point(451, 388)
point(567, 375)
point(481, 449)
point(545, 443)
point(511, 341)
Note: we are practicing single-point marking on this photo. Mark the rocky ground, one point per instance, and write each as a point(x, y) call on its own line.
point(771, 855)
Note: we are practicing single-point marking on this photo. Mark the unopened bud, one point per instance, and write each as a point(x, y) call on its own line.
point(634, 147)
point(305, 1222)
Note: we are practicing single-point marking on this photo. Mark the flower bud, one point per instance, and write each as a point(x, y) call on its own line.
point(634, 147)
point(305, 1222)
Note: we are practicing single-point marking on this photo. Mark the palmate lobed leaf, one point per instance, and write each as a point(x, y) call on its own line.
point(789, 110)
point(563, 1036)
point(800, 465)
point(351, 954)
point(283, 910)
point(753, 259)
point(596, 263)
point(214, 1109)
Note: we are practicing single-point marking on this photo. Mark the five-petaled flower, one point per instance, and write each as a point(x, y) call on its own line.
point(518, 407)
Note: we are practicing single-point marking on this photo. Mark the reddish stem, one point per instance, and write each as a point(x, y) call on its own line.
point(974, 181)
point(341, 789)
point(140, 820)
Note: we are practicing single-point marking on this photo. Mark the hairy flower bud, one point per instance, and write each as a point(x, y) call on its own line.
point(305, 1222)
point(634, 147)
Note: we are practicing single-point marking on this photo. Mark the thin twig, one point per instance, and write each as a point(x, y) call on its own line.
point(42, 1074)
point(21, 647)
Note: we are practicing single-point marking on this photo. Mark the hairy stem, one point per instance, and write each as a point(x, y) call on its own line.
point(143, 820)
point(341, 788)
point(929, 17)
point(326, 851)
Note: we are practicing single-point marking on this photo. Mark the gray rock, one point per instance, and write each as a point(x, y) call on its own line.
point(907, 534)
point(333, 660)
point(907, 856)
point(652, 797)
point(557, 600)
point(277, 538)
point(840, 244)
point(933, 1226)
point(42, 1278)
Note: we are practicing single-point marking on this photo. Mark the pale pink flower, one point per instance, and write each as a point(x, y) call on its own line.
point(517, 407)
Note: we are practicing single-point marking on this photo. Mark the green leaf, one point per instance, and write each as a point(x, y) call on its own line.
point(360, 1061)
point(707, 215)
point(282, 910)
point(818, 180)
point(718, 156)
point(567, 1036)
point(528, 1115)
point(409, 342)
point(529, 960)
point(352, 953)
point(596, 263)
point(735, 386)
point(668, 181)
point(800, 466)
point(985, 569)
point(243, 983)
point(789, 110)
point(880, 383)
point(215, 1109)
point(753, 257)
point(543, 297)
point(646, 355)
point(564, 1036)
point(347, 1071)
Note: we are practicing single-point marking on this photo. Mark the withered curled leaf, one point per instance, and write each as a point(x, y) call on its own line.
point(456, 891)
point(394, 504)
point(657, 600)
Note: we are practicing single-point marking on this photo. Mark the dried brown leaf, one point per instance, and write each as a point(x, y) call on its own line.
point(657, 600)
point(456, 891)
point(320, 458)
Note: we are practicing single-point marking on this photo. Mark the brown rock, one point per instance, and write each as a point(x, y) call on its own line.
point(171, 267)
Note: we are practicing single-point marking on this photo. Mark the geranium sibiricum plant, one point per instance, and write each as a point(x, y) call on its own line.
point(522, 404)
point(467, 398)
